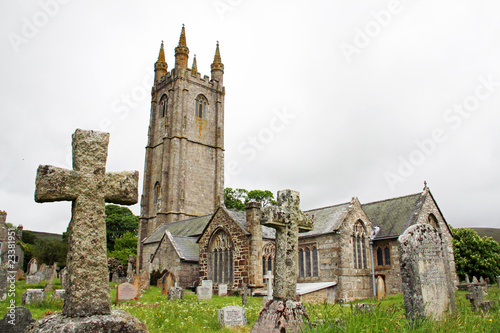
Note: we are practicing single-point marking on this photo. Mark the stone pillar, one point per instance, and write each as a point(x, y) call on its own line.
point(255, 228)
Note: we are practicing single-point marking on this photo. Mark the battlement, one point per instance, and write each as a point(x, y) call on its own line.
point(187, 74)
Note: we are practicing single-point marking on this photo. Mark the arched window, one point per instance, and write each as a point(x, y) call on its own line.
point(157, 192)
point(308, 261)
point(163, 106)
point(380, 258)
point(359, 245)
point(383, 255)
point(432, 220)
point(387, 256)
point(201, 107)
point(268, 258)
point(220, 258)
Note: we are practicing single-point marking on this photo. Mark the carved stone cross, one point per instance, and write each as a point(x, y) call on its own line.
point(269, 277)
point(288, 220)
point(88, 186)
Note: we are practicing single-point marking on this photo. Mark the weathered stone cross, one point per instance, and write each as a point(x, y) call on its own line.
point(88, 186)
point(288, 220)
point(269, 277)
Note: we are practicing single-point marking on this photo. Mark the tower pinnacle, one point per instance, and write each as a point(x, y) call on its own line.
point(160, 65)
point(217, 64)
point(182, 51)
point(194, 69)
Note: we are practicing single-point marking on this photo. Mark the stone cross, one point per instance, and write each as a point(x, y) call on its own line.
point(269, 277)
point(244, 294)
point(288, 220)
point(88, 186)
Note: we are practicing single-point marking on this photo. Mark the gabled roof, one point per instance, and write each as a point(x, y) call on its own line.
point(186, 247)
point(394, 215)
point(326, 219)
point(240, 217)
point(192, 227)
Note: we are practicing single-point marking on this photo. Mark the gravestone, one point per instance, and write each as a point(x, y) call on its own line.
point(32, 267)
point(63, 276)
point(42, 268)
point(481, 281)
point(114, 277)
point(269, 281)
point(89, 187)
point(475, 296)
point(380, 288)
point(204, 292)
point(283, 313)
point(222, 289)
point(145, 280)
point(130, 266)
point(35, 278)
point(474, 280)
point(125, 292)
point(136, 281)
point(425, 273)
point(232, 316)
point(59, 293)
point(175, 293)
point(244, 294)
point(33, 296)
point(207, 283)
point(53, 275)
point(16, 320)
point(467, 279)
point(4, 284)
point(19, 274)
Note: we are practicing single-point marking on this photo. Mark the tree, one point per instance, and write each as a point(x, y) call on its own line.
point(474, 255)
point(28, 237)
point(124, 246)
point(237, 198)
point(119, 220)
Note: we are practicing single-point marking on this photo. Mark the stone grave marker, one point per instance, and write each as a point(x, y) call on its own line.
point(89, 187)
point(53, 275)
point(16, 320)
point(475, 296)
point(59, 293)
point(42, 269)
point(63, 276)
point(207, 283)
point(175, 293)
point(168, 280)
point(269, 281)
point(145, 280)
point(204, 292)
point(4, 284)
point(114, 277)
point(32, 267)
point(244, 294)
point(481, 281)
point(222, 289)
point(125, 292)
point(380, 288)
point(232, 316)
point(425, 271)
point(19, 274)
point(136, 281)
point(33, 296)
point(467, 279)
point(35, 278)
point(283, 313)
point(474, 280)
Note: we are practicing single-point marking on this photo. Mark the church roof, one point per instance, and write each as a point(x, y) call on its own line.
point(186, 247)
point(394, 215)
point(190, 227)
point(326, 219)
point(241, 218)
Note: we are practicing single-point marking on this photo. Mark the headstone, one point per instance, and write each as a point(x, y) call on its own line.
point(380, 288)
point(481, 281)
point(125, 292)
point(42, 268)
point(35, 278)
point(474, 280)
point(269, 281)
point(283, 313)
point(4, 285)
point(136, 281)
point(425, 271)
point(244, 294)
point(207, 283)
point(175, 293)
point(145, 280)
point(59, 293)
point(232, 316)
point(89, 187)
point(168, 280)
point(33, 296)
point(16, 320)
point(53, 275)
point(19, 274)
point(114, 277)
point(63, 276)
point(467, 279)
point(32, 267)
point(475, 296)
point(204, 292)
point(222, 289)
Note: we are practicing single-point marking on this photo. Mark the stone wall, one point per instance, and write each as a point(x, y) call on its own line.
point(390, 273)
point(240, 248)
point(319, 296)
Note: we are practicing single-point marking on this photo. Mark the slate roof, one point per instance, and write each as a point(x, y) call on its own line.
point(186, 247)
point(394, 215)
point(192, 227)
point(326, 219)
point(241, 218)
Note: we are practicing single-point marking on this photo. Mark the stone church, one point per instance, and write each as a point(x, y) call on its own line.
point(185, 227)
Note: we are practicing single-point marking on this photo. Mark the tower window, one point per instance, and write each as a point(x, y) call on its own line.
point(201, 107)
point(163, 106)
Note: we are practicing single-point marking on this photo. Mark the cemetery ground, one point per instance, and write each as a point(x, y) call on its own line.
point(192, 315)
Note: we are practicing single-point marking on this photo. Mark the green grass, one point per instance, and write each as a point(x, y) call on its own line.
point(193, 315)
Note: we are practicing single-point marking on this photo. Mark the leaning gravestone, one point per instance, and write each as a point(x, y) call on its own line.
point(88, 186)
point(232, 316)
point(283, 313)
point(425, 273)
point(125, 292)
point(16, 320)
point(3, 283)
point(32, 267)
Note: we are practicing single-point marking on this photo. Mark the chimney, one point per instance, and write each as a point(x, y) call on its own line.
point(19, 231)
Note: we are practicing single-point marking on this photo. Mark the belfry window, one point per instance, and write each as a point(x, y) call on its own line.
point(163, 106)
point(220, 258)
point(201, 107)
point(359, 246)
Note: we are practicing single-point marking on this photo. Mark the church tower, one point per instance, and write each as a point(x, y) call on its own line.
point(184, 164)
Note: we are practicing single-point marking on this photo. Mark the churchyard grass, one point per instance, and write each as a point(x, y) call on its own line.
point(191, 315)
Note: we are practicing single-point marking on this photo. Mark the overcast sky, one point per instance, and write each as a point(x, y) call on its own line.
point(334, 99)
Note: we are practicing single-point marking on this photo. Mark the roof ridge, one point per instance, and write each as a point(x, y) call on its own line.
point(337, 205)
point(390, 199)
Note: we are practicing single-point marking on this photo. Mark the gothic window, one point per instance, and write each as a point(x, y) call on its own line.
point(201, 107)
point(157, 192)
point(268, 258)
point(384, 255)
point(359, 245)
point(433, 221)
point(308, 262)
point(220, 258)
point(380, 258)
point(163, 106)
point(387, 256)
